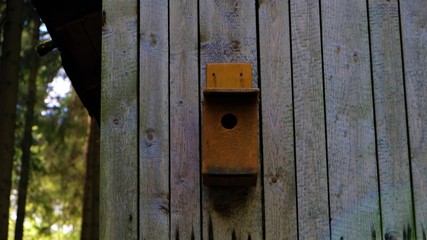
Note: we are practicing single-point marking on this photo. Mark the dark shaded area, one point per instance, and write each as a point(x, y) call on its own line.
point(210, 229)
point(75, 28)
point(90, 220)
point(228, 201)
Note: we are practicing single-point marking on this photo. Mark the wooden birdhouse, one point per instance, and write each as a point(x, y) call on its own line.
point(230, 126)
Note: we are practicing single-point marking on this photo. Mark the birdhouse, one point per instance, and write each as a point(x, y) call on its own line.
point(230, 126)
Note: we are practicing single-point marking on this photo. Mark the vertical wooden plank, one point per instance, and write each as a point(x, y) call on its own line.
point(390, 112)
point(277, 121)
point(353, 181)
point(310, 139)
point(118, 167)
point(228, 34)
point(154, 120)
point(184, 120)
point(414, 38)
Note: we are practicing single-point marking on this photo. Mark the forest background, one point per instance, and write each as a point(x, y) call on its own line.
point(49, 147)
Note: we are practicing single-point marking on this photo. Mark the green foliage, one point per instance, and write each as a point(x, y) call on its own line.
point(55, 190)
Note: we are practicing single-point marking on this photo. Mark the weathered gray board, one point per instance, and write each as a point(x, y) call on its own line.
point(343, 119)
point(119, 136)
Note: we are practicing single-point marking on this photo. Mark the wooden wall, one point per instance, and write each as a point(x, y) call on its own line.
point(343, 119)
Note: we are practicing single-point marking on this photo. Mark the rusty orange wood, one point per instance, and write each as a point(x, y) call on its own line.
point(229, 75)
point(230, 126)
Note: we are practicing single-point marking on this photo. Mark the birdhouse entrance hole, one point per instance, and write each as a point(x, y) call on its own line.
point(229, 121)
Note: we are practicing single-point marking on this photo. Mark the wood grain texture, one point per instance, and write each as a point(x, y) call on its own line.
point(353, 181)
point(228, 34)
point(277, 121)
point(184, 121)
point(154, 120)
point(118, 167)
point(310, 139)
point(390, 113)
point(414, 38)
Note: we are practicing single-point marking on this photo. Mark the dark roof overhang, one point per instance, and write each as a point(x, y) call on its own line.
point(75, 28)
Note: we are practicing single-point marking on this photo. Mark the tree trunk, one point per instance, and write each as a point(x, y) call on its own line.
point(90, 223)
point(28, 136)
point(9, 71)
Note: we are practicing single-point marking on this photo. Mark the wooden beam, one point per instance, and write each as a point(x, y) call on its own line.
point(353, 180)
point(391, 126)
point(310, 139)
point(154, 120)
point(277, 121)
point(184, 121)
point(119, 145)
point(413, 23)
